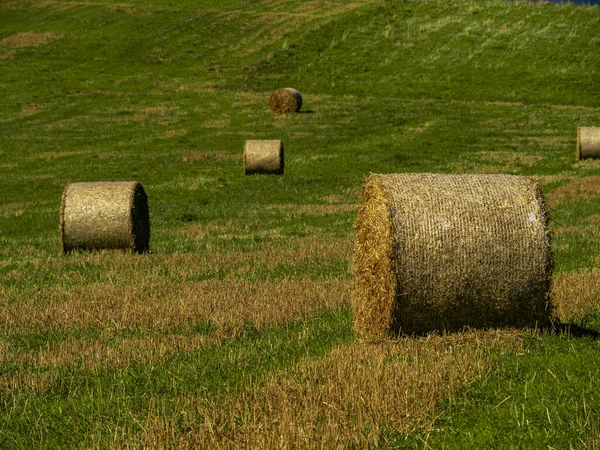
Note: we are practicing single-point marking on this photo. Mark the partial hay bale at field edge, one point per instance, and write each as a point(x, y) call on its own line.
point(285, 101)
point(588, 142)
point(264, 157)
point(104, 215)
point(444, 252)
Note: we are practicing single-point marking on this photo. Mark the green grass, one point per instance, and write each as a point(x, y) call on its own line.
point(91, 402)
point(546, 397)
point(167, 92)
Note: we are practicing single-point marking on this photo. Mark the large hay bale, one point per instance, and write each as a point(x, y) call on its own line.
point(441, 252)
point(285, 100)
point(263, 157)
point(104, 215)
point(588, 142)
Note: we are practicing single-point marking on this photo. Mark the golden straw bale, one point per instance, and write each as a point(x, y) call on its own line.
point(263, 157)
point(588, 142)
point(441, 252)
point(104, 215)
point(285, 100)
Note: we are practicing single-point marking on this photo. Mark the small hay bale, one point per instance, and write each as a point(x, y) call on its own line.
point(104, 215)
point(263, 157)
point(285, 100)
point(588, 142)
point(444, 252)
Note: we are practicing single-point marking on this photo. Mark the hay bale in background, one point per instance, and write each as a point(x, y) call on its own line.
point(104, 215)
point(440, 252)
point(263, 157)
point(285, 100)
point(588, 142)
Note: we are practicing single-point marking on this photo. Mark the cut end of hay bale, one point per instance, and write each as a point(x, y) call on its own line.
point(104, 215)
point(588, 143)
point(285, 101)
point(443, 252)
point(375, 269)
point(263, 157)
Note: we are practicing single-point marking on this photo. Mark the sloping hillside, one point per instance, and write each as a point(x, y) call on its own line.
point(235, 331)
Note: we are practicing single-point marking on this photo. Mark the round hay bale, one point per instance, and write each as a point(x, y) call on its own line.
point(588, 142)
point(443, 252)
point(104, 215)
point(285, 100)
point(263, 157)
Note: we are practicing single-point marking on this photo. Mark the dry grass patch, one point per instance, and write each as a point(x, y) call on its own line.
point(107, 352)
point(510, 158)
point(31, 109)
point(292, 210)
point(576, 295)
point(244, 99)
point(65, 6)
point(119, 269)
point(125, 7)
point(10, 3)
point(201, 231)
point(55, 155)
point(585, 230)
point(195, 156)
point(25, 381)
point(216, 123)
point(467, 168)
point(334, 198)
point(580, 189)
point(549, 179)
point(175, 133)
point(349, 398)
point(162, 306)
point(496, 162)
point(512, 104)
point(161, 115)
point(14, 209)
point(29, 39)
point(552, 141)
point(158, 114)
point(181, 85)
point(6, 54)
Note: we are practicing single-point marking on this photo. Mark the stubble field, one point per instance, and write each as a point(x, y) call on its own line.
point(235, 331)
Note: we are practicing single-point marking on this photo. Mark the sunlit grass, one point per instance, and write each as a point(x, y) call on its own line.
point(235, 328)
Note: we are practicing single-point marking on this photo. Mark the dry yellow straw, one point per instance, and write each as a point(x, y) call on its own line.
point(263, 157)
point(441, 252)
point(104, 215)
point(588, 142)
point(285, 100)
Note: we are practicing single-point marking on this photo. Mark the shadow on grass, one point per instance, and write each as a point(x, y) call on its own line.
point(572, 330)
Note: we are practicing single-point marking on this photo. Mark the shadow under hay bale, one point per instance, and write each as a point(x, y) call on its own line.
point(442, 252)
point(588, 142)
point(104, 215)
point(263, 157)
point(285, 101)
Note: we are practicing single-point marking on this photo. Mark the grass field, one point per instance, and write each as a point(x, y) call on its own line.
point(235, 331)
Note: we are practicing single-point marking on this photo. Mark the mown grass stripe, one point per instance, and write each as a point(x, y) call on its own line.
point(87, 401)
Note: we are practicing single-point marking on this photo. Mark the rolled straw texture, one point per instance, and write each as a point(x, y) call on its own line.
point(441, 252)
point(104, 215)
point(588, 142)
point(263, 157)
point(285, 100)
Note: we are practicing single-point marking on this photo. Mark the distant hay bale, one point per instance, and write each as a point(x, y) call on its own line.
point(588, 142)
point(104, 215)
point(285, 100)
point(263, 157)
point(441, 252)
